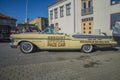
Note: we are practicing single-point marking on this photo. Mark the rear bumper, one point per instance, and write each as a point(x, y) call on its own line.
point(12, 45)
point(115, 44)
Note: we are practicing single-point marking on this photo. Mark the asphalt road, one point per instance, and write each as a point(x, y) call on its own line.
point(102, 64)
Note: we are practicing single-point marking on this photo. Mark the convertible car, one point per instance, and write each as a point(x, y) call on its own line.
point(47, 40)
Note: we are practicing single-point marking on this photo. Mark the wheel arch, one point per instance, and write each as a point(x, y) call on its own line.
point(88, 44)
point(29, 42)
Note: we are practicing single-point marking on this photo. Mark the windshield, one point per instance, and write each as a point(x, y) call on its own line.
point(48, 30)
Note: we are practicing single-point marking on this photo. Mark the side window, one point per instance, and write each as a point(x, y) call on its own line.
point(47, 31)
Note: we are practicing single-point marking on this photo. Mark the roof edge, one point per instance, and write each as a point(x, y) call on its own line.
point(57, 2)
point(4, 16)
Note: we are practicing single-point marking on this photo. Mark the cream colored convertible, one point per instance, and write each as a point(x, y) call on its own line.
point(47, 40)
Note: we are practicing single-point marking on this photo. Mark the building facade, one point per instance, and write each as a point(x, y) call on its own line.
point(7, 26)
point(84, 16)
point(8, 21)
point(41, 22)
point(61, 15)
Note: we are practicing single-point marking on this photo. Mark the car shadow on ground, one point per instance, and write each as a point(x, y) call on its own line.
point(95, 50)
point(105, 49)
point(4, 41)
point(56, 50)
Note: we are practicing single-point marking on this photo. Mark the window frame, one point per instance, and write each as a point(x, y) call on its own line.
point(115, 19)
point(62, 11)
point(68, 9)
point(51, 14)
point(115, 2)
point(56, 13)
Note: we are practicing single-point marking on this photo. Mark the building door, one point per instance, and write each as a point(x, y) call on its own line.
point(56, 28)
point(87, 25)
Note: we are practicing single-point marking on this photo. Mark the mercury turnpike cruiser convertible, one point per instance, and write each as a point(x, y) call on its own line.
point(47, 40)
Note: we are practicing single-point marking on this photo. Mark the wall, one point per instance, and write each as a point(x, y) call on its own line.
point(102, 15)
point(66, 23)
point(102, 10)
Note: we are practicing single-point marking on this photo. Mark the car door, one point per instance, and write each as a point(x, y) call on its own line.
point(56, 41)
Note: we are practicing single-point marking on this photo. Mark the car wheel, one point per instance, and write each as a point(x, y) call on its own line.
point(26, 47)
point(87, 48)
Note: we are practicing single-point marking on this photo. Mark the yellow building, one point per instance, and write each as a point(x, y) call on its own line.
point(41, 22)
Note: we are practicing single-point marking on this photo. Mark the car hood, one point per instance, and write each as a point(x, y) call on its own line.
point(27, 35)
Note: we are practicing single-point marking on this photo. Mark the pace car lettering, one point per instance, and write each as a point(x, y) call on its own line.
point(101, 42)
point(86, 41)
point(56, 41)
point(56, 37)
point(94, 41)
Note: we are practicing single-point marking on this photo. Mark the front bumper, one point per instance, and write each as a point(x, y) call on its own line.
point(12, 45)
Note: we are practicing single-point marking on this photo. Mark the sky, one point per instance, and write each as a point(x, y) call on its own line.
point(17, 8)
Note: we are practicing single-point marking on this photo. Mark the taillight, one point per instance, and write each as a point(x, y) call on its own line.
point(113, 39)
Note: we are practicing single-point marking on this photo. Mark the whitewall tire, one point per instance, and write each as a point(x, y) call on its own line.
point(26, 47)
point(87, 48)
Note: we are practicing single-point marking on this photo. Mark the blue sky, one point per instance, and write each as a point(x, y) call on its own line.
point(17, 8)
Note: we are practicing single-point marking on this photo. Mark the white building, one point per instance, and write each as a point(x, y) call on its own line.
point(84, 16)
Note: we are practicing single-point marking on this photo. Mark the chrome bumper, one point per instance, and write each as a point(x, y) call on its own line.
point(12, 45)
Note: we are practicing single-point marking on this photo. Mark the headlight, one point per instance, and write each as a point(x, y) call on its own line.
point(11, 39)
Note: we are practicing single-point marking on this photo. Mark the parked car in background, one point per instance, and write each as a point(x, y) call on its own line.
point(5, 32)
point(116, 32)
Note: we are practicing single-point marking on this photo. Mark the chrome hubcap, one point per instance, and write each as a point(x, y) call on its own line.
point(26, 47)
point(87, 47)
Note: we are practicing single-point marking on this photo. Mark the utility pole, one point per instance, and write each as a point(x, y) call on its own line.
point(26, 19)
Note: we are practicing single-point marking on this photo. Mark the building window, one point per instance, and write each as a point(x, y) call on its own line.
point(84, 24)
point(89, 23)
point(84, 28)
point(91, 18)
point(87, 7)
point(62, 11)
point(68, 8)
point(89, 27)
point(90, 4)
point(114, 18)
point(51, 15)
point(115, 2)
point(84, 5)
point(89, 32)
point(56, 13)
point(87, 19)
